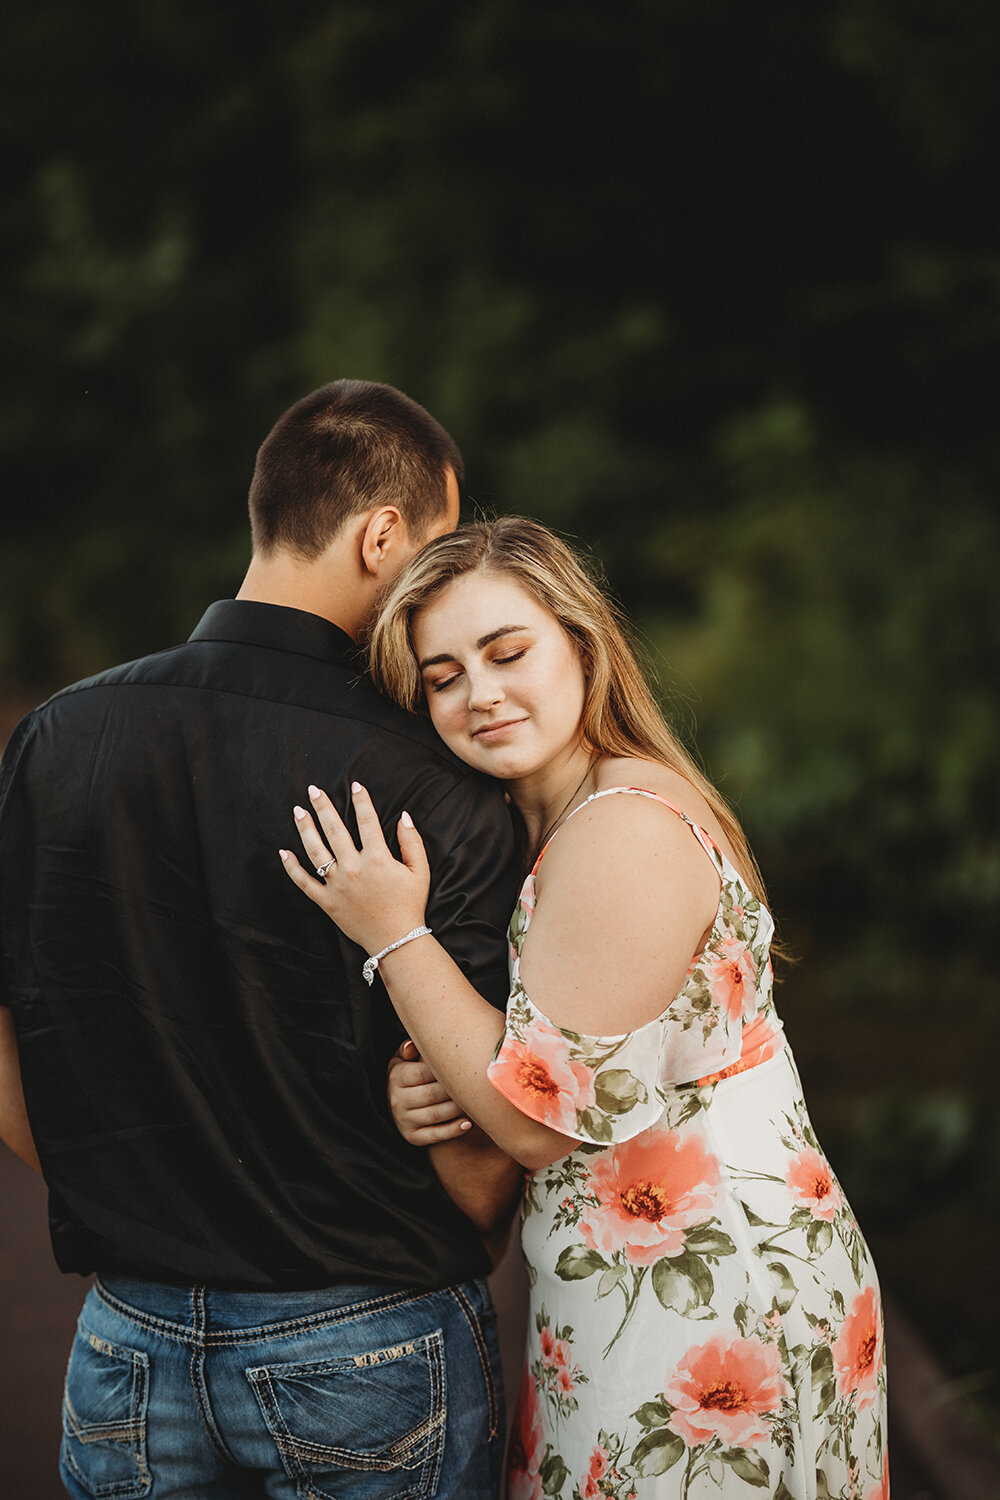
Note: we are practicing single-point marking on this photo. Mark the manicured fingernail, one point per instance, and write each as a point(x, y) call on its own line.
point(356, 786)
point(465, 1125)
point(284, 856)
point(406, 820)
point(314, 792)
point(299, 812)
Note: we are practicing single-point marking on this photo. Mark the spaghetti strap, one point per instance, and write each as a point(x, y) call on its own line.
point(704, 838)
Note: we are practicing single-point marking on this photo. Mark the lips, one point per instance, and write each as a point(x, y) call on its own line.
point(487, 731)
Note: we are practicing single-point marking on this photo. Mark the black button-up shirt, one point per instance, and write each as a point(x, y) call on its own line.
point(203, 1065)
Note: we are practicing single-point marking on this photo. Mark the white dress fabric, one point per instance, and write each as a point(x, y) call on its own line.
point(705, 1316)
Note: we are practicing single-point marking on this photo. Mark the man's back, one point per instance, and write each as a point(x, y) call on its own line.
point(204, 1067)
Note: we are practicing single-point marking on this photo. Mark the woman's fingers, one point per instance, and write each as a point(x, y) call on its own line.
point(424, 1096)
point(341, 844)
point(423, 1111)
point(436, 1114)
point(419, 1095)
point(312, 887)
point(433, 1135)
point(316, 851)
point(411, 847)
point(369, 827)
point(372, 897)
point(413, 1086)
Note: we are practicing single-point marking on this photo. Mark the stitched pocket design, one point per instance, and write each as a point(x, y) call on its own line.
point(104, 1418)
point(367, 1426)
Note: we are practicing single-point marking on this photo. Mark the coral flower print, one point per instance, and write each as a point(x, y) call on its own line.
point(649, 1191)
point(704, 1320)
point(730, 974)
point(857, 1354)
point(540, 1077)
point(722, 1388)
point(812, 1184)
point(527, 1444)
point(598, 1463)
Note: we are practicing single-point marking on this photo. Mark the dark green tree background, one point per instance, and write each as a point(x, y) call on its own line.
point(713, 287)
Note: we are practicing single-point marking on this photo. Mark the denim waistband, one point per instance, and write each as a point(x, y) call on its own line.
point(212, 1316)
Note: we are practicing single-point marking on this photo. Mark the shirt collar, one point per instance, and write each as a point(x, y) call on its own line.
point(279, 628)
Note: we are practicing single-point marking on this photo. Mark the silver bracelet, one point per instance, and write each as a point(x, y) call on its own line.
point(371, 964)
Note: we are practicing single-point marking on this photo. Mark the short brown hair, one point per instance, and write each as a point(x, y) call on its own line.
point(340, 451)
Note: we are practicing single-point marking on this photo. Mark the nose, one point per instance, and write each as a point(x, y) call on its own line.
point(485, 691)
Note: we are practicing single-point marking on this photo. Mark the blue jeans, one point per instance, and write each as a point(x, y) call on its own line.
point(349, 1393)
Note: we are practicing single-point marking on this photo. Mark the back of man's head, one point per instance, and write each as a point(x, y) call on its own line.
point(346, 448)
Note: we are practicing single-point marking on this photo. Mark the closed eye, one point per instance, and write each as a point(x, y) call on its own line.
point(498, 661)
point(443, 682)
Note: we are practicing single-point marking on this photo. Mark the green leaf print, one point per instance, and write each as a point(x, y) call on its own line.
point(787, 1291)
point(594, 1124)
point(657, 1452)
point(819, 1237)
point(822, 1366)
point(683, 1283)
point(610, 1280)
point(754, 1220)
point(783, 1492)
point(576, 1263)
point(518, 923)
point(827, 1396)
point(553, 1473)
point(748, 1466)
point(654, 1413)
point(616, 1091)
point(704, 1240)
point(690, 1101)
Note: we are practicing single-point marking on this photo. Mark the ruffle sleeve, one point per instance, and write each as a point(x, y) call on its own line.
point(608, 1089)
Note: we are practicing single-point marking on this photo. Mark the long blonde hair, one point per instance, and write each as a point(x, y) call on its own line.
point(620, 714)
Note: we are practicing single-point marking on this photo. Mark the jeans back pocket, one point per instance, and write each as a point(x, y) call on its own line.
point(104, 1418)
point(367, 1426)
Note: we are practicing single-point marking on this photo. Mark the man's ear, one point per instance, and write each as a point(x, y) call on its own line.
point(384, 531)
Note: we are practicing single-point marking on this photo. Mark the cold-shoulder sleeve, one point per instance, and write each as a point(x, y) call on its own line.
point(607, 1089)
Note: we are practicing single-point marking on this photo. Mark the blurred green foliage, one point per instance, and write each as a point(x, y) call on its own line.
point(713, 287)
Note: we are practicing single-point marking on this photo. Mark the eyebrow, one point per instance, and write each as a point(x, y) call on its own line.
point(484, 640)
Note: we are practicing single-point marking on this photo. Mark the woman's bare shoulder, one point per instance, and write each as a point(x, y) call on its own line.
point(625, 897)
point(653, 776)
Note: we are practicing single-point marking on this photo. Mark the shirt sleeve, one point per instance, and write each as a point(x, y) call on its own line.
point(11, 847)
point(470, 847)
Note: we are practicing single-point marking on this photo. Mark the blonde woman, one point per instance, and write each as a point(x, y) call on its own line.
point(705, 1316)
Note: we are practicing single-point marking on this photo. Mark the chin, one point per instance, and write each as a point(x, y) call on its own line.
point(500, 767)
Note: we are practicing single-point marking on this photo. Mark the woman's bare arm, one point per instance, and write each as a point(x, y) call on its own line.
point(634, 938)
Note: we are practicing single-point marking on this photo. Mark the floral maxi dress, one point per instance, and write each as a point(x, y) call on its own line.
point(705, 1317)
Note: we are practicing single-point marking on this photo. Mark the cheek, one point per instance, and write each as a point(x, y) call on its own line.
point(573, 683)
point(444, 715)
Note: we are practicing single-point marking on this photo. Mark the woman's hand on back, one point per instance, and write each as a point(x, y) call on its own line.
point(373, 898)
